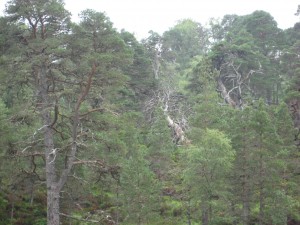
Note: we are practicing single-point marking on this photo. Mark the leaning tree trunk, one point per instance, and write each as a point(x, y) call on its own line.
point(178, 134)
point(225, 94)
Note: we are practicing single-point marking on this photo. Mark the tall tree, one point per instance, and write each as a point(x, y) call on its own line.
point(139, 188)
point(290, 70)
point(209, 162)
point(47, 23)
point(54, 66)
point(142, 82)
point(248, 63)
point(153, 44)
point(184, 41)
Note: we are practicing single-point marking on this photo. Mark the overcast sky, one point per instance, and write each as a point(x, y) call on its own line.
point(140, 16)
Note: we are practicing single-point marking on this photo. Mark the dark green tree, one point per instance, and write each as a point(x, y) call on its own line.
point(139, 188)
point(247, 62)
point(291, 73)
point(142, 82)
point(62, 70)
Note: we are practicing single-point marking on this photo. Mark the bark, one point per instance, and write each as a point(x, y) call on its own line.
point(177, 131)
point(50, 152)
point(53, 206)
point(205, 214)
point(51, 178)
point(225, 95)
point(156, 66)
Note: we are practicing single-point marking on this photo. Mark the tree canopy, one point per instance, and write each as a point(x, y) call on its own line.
point(198, 125)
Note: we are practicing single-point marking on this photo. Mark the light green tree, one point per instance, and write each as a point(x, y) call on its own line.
point(209, 161)
point(184, 41)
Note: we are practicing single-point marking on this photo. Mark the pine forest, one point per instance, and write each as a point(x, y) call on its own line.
point(199, 125)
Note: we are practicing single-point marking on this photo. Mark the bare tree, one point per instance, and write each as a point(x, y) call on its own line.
point(174, 108)
point(237, 80)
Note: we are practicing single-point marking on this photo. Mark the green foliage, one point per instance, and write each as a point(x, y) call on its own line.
point(141, 81)
point(238, 165)
point(186, 40)
point(17, 209)
point(5, 128)
point(201, 76)
point(247, 56)
point(139, 191)
point(212, 157)
point(209, 162)
point(4, 219)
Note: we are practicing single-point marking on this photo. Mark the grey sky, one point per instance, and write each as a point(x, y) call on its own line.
point(140, 16)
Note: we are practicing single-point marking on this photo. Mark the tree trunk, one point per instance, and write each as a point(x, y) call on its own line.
point(189, 222)
point(205, 214)
point(53, 206)
point(52, 188)
point(178, 134)
point(261, 193)
point(245, 198)
point(245, 182)
point(156, 66)
point(50, 151)
point(225, 94)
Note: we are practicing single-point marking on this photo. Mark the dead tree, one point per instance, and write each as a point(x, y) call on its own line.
point(175, 116)
point(230, 74)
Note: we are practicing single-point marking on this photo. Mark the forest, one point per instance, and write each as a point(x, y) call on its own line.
point(199, 125)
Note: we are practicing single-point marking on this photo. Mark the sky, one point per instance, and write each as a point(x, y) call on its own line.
point(141, 16)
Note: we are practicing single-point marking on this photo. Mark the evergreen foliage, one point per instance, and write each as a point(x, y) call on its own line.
point(194, 126)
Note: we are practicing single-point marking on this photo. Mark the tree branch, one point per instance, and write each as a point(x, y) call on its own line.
point(76, 119)
point(79, 219)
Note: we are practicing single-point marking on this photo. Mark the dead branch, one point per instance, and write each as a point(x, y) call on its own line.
point(30, 154)
point(91, 111)
point(81, 116)
point(225, 95)
point(55, 115)
point(89, 162)
point(78, 178)
point(105, 220)
point(238, 81)
point(80, 219)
